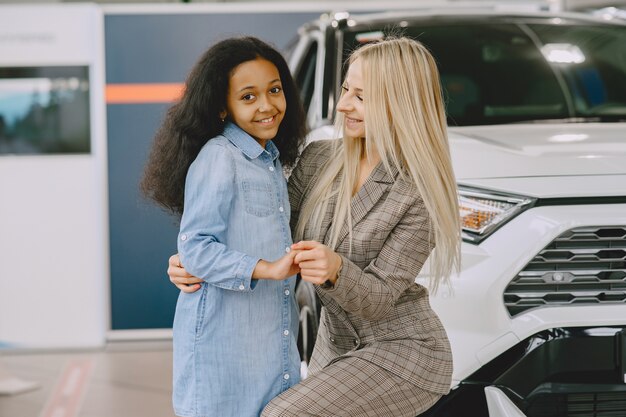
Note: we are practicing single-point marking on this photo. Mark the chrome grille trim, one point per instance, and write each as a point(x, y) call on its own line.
point(585, 265)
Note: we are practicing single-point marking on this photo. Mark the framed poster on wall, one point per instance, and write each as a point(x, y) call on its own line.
point(44, 110)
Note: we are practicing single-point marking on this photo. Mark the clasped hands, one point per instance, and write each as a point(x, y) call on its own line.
point(315, 262)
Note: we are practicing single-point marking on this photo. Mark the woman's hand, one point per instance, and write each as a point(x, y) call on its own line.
point(179, 276)
point(280, 269)
point(318, 263)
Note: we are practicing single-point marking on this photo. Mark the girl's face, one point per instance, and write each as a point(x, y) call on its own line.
point(351, 102)
point(255, 101)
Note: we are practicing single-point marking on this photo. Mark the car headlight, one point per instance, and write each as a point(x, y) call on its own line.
point(483, 212)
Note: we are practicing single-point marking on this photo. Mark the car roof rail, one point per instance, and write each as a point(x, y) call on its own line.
point(342, 18)
point(339, 18)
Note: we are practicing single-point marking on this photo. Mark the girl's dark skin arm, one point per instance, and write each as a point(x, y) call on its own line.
point(180, 278)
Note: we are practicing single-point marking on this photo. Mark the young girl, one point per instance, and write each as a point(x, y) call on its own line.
point(223, 144)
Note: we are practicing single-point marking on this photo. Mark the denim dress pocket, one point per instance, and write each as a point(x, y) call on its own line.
point(258, 197)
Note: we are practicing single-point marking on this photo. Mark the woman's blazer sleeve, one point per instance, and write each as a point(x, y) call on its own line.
point(296, 186)
point(300, 178)
point(373, 291)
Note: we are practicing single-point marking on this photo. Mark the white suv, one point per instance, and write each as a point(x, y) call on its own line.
point(537, 115)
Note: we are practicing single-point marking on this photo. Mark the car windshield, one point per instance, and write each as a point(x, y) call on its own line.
point(494, 73)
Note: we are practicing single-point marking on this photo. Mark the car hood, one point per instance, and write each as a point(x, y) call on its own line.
point(557, 160)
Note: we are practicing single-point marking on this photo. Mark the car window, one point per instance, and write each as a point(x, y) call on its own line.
point(494, 73)
point(305, 76)
point(598, 81)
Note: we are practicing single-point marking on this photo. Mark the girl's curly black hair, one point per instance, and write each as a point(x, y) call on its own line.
point(195, 119)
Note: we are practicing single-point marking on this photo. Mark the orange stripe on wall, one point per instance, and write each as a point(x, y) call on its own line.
point(143, 93)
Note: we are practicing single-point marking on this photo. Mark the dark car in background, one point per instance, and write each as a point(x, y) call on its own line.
point(536, 104)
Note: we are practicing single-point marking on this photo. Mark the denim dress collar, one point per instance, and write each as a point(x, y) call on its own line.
point(247, 144)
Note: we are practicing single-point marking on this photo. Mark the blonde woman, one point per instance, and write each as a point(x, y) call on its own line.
point(367, 211)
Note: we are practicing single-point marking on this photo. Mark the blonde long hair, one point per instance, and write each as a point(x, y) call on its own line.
point(405, 124)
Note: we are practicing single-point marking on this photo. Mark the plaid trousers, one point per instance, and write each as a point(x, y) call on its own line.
point(352, 387)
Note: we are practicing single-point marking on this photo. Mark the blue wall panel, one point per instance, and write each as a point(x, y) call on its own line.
point(156, 49)
point(163, 48)
point(141, 235)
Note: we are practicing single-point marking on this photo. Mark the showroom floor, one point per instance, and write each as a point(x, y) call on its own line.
point(123, 380)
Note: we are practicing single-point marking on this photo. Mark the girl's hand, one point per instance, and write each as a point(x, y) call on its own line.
point(286, 266)
point(280, 269)
point(318, 263)
point(179, 276)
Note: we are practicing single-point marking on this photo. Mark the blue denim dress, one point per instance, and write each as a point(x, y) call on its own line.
point(235, 338)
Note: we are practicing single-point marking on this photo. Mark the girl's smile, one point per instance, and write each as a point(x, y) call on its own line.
point(268, 121)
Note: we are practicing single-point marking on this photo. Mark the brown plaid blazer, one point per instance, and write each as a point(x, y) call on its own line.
point(376, 311)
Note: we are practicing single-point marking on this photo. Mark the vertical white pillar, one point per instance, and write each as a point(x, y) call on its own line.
point(53, 216)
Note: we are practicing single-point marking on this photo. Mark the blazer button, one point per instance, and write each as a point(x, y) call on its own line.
point(332, 339)
point(356, 342)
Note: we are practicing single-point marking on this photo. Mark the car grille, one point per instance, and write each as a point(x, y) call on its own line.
point(586, 265)
point(606, 404)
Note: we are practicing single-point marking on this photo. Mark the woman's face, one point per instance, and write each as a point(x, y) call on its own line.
point(255, 101)
point(351, 102)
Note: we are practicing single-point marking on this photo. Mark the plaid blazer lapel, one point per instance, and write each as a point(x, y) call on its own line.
point(372, 190)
